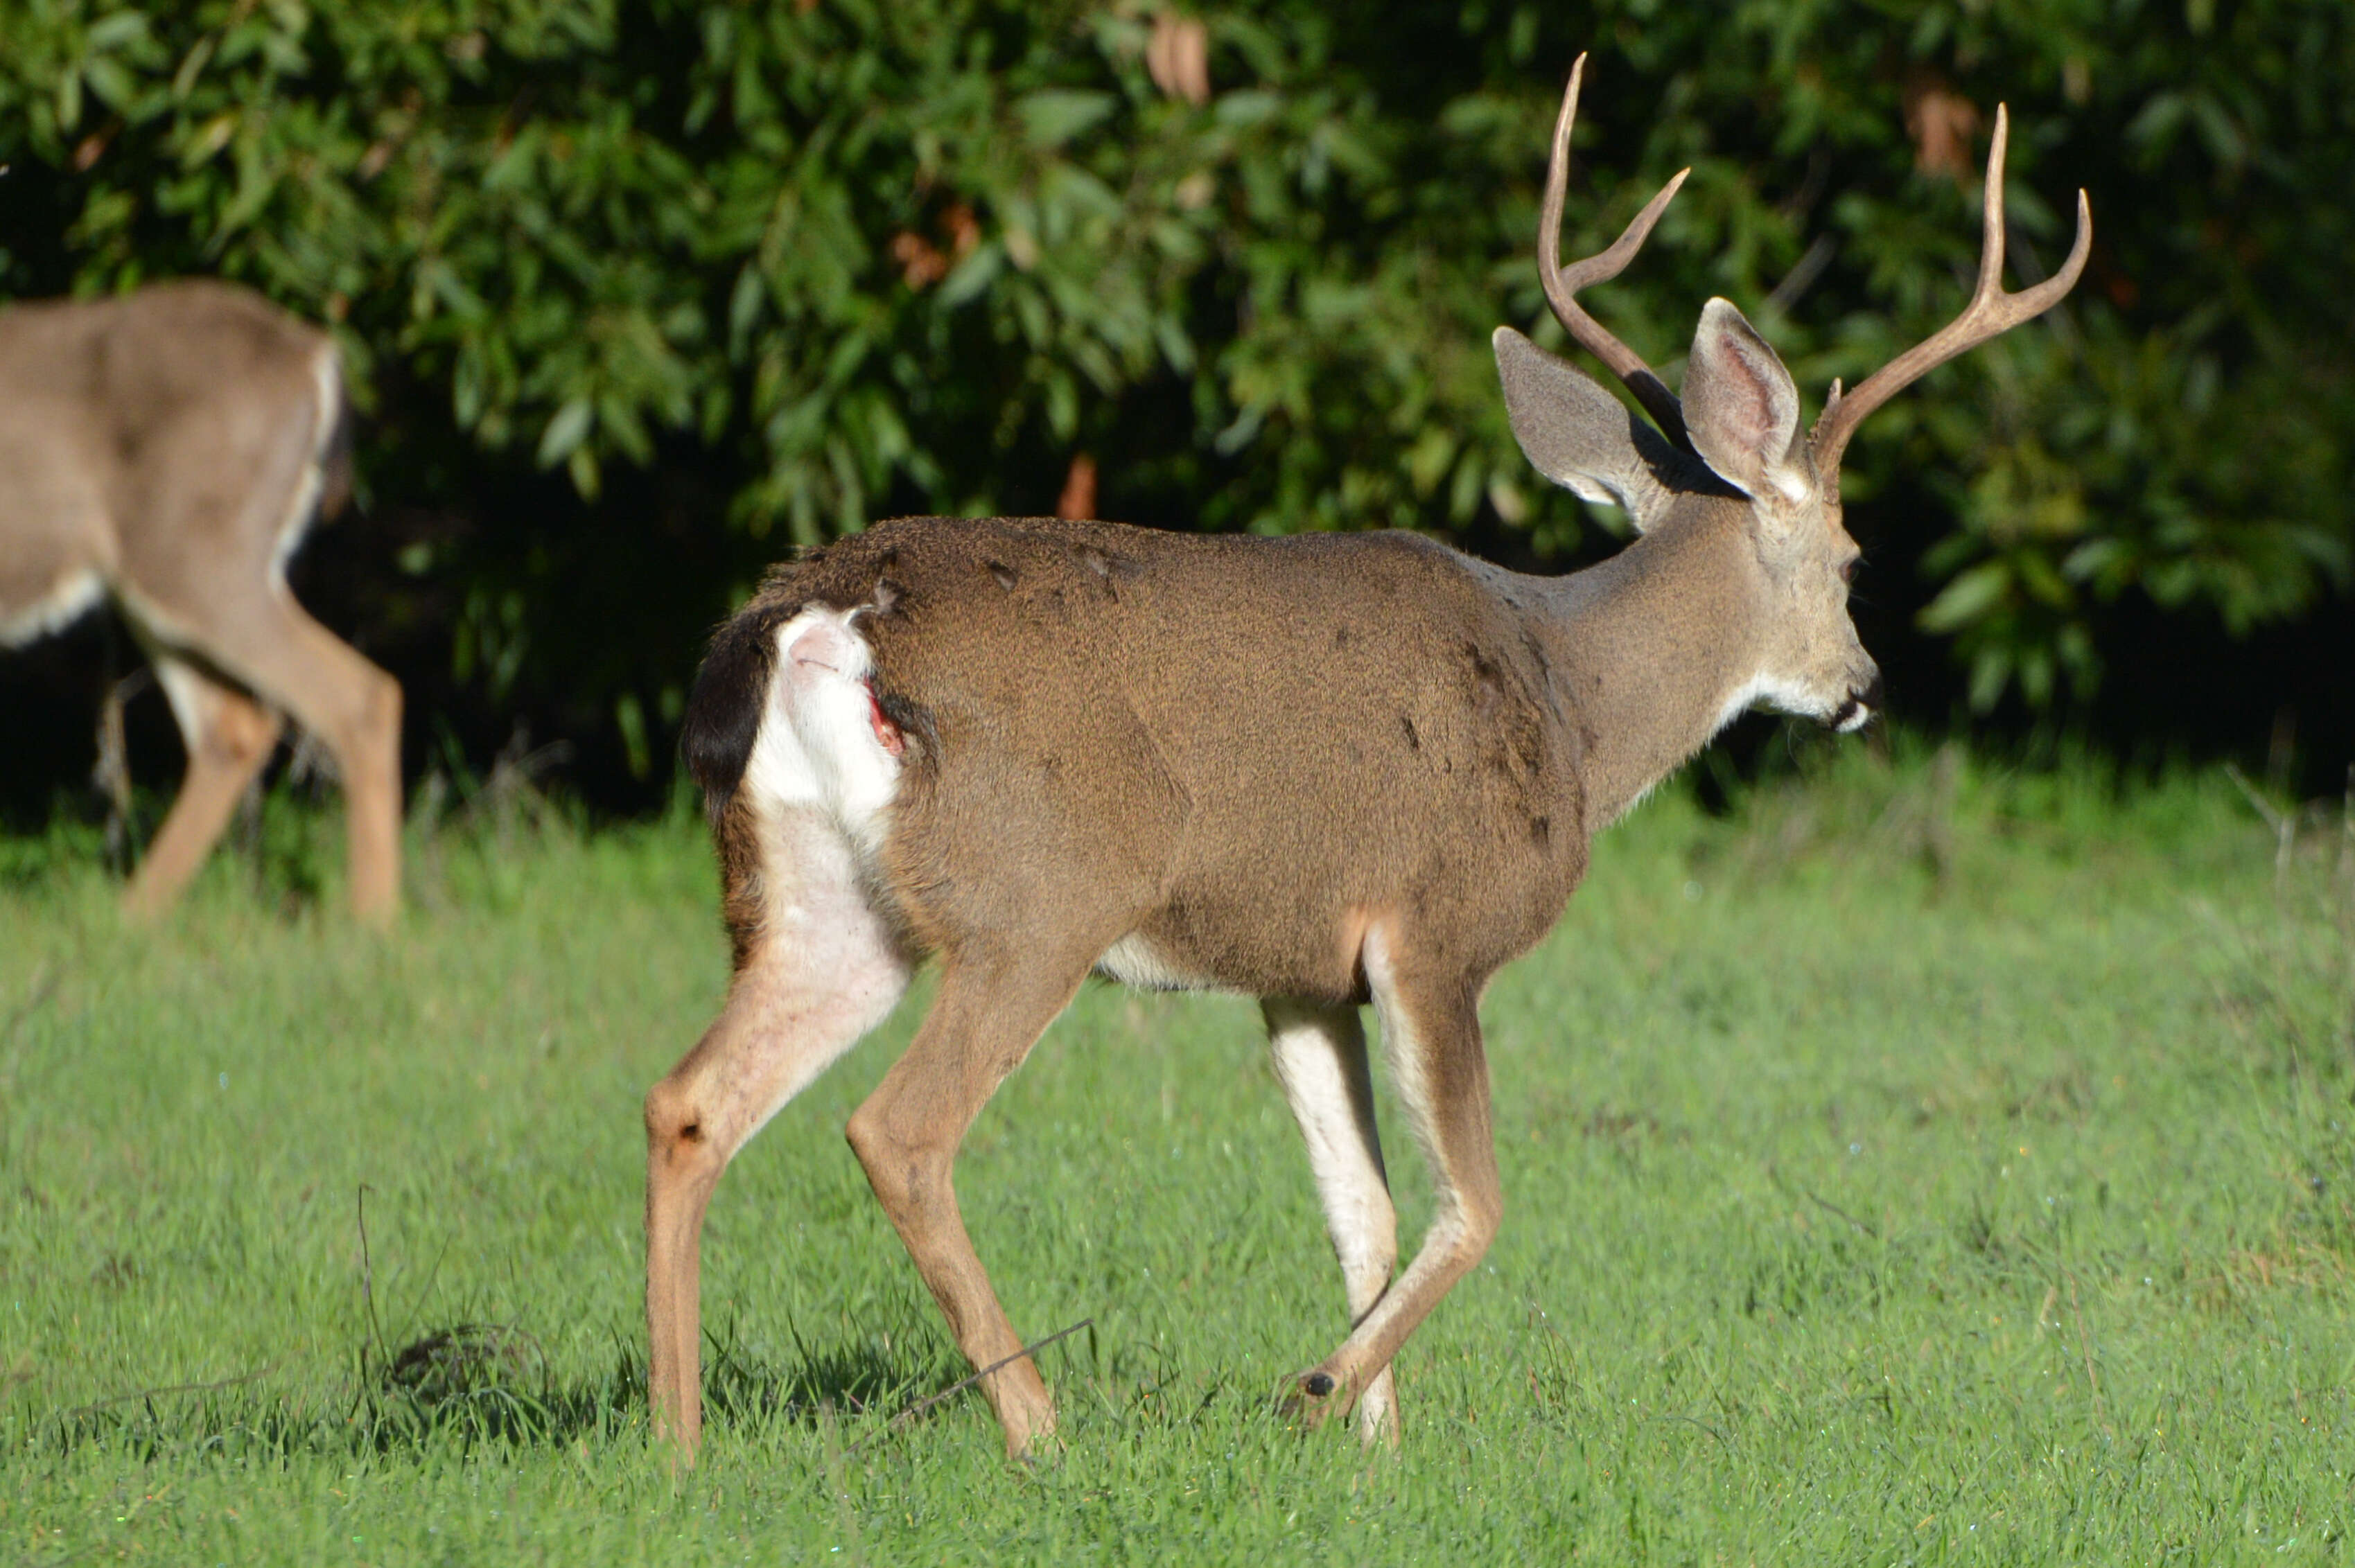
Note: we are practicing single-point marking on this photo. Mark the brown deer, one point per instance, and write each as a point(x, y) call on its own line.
point(1322, 770)
point(168, 449)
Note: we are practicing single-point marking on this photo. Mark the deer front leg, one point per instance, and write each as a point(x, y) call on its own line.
point(1431, 1035)
point(987, 1017)
point(682, 1168)
point(822, 972)
point(1319, 1054)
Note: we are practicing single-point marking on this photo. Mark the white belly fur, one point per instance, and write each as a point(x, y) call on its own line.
point(1134, 961)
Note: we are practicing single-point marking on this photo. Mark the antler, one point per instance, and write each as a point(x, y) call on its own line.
point(1562, 285)
point(1990, 313)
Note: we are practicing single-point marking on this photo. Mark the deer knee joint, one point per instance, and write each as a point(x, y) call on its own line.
point(242, 733)
point(675, 1133)
point(896, 1166)
point(1482, 1215)
point(384, 701)
point(378, 721)
point(862, 1134)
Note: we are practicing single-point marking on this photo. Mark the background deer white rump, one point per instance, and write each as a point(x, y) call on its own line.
point(1323, 770)
point(169, 449)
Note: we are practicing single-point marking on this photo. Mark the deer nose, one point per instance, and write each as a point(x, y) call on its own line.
point(1860, 708)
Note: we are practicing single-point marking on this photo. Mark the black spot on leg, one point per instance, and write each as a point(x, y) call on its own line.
point(1318, 1384)
point(691, 1133)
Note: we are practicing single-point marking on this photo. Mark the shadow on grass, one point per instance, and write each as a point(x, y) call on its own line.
point(486, 1387)
point(880, 1376)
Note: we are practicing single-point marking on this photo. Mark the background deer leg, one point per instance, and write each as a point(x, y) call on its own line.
point(1431, 1035)
point(1319, 1054)
point(821, 973)
point(284, 655)
point(986, 1020)
point(228, 736)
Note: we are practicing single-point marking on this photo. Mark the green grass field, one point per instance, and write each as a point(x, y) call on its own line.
point(1920, 1164)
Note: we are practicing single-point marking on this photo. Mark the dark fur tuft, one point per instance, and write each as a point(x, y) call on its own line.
point(723, 711)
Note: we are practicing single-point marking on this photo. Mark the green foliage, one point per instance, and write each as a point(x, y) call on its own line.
point(1931, 1163)
point(857, 258)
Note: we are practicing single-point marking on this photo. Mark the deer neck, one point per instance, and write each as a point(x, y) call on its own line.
point(1655, 650)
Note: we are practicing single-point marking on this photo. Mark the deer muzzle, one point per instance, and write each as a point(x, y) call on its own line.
point(1860, 708)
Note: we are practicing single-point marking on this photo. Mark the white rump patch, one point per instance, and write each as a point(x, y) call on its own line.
point(824, 742)
point(327, 384)
point(64, 604)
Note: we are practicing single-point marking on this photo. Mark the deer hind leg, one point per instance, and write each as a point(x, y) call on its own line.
point(228, 736)
point(266, 641)
point(987, 1018)
point(1431, 1035)
point(1319, 1054)
point(821, 972)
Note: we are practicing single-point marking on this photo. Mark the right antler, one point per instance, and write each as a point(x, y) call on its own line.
point(1561, 284)
point(1990, 313)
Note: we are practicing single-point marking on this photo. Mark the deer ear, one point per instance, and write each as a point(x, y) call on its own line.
point(1575, 433)
point(1741, 410)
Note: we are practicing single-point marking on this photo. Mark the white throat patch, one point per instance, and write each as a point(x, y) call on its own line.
point(1783, 696)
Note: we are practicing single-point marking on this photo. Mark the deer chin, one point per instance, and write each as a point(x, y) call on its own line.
point(1774, 692)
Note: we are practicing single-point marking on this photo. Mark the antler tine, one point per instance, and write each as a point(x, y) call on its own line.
point(1562, 285)
point(1990, 314)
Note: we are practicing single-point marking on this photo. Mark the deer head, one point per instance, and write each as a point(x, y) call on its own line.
point(1735, 437)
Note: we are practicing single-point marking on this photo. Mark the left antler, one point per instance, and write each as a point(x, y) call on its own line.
point(1990, 313)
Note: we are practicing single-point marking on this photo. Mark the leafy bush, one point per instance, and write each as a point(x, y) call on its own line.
point(807, 263)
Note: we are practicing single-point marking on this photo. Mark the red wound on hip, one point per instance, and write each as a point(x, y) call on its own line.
point(887, 734)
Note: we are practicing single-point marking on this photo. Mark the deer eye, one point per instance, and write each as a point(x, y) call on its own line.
point(1848, 568)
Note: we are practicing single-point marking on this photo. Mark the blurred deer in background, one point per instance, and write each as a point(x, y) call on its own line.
point(1323, 771)
point(168, 449)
